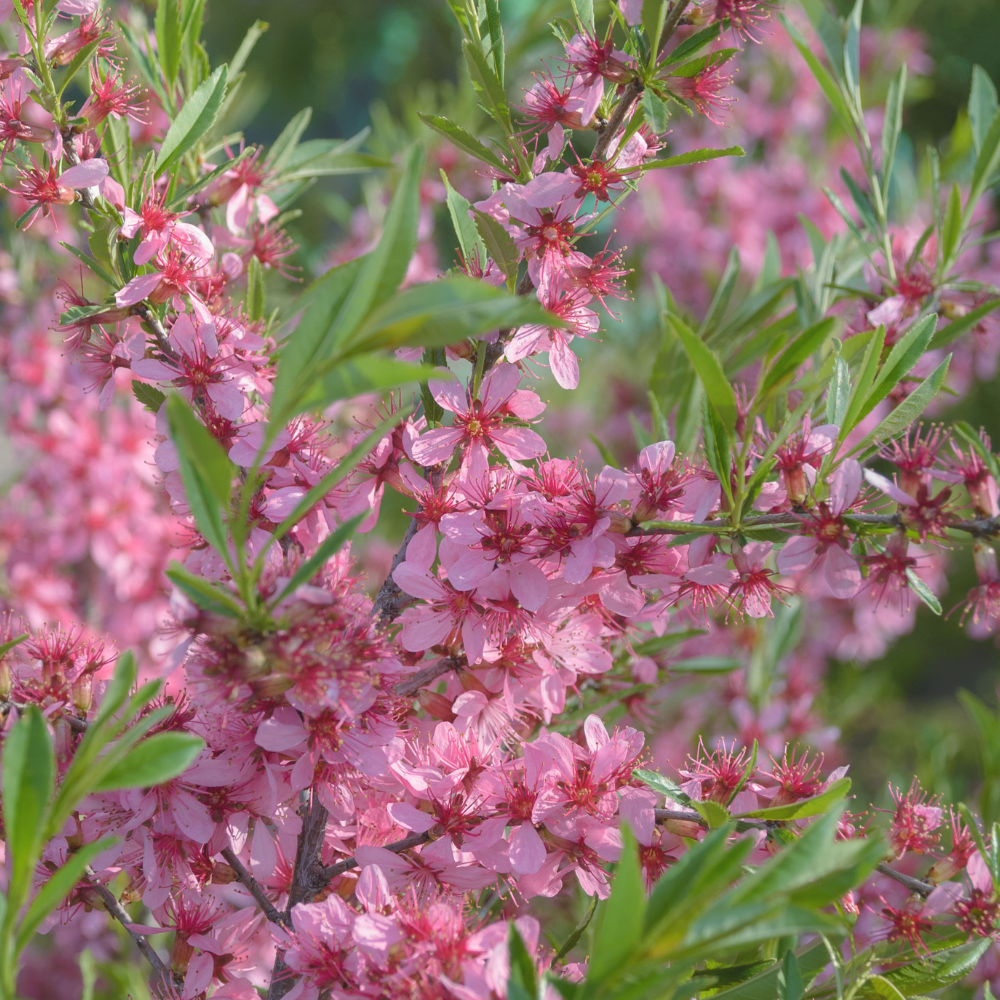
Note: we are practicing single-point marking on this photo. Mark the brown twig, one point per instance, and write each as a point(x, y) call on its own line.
point(253, 887)
point(153, 322)
point(976, 526)
point(913, 884)
point(397, 847)
point(391, 599)
point(633, 91)
point(120, 914)
point(409, 687)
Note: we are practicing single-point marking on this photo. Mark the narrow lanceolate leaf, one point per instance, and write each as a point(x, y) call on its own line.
point(461, 138)
point(620, 920)
point(893, 125)
point(153, 761)
point(330, 545)
point(210, 596)
point(149, 396)
point(469, 241)
point(28, 779)
point(908, 410)
point(907, 351)
point(498, 245)
point(662, 784)
point(206, 472)
point(806, 807)
point(369, 373)
point(694, 156)
point(55, 890)
point(838, 392)
point(168, 38)
point(983, 105)
point(194, 119)
point(656, 111)
point(284, 145)
point(443, 312)
point(795, 354)
point(713, 378)
point(955, 329)
point(923, 591)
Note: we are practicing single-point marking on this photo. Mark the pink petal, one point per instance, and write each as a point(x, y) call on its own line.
point(564, 364)
point(527, 852)
point(409, 817)
point(529, 585)
point(798, 555)
point(519, 442)
point(139, 288)
point(89, 173)
point(436, 446)
point(843, 576)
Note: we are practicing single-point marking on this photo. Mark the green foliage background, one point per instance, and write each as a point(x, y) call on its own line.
point(380, 59)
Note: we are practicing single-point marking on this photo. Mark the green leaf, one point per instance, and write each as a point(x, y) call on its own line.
point(662, 784)
point(368, 373)
point(893, 125)
point(459, 137)
point(828, 85)
point(907, 411)
point(210, 596)
point(983, 105)
point(585, 12)
point(619, 921)
point(469, 241)
point(206, 472)
point(487, 84)
point(153, 761)
point(283, 147)
point(194, 119)
point(333, 543)
point(59, 885)
point(92, 265)
point(713, 813)
point(496, 37)
point(498, 245)
point(695, 43)
point(309, 342)
point(764, 986)
point(953, 330)
point(952, 226)
point(838, 392)
point(940, 970)
point(694, 156)
point(437, 313)
point(657, 113)
point(654, 13)
point(906, 352)
point(6, 647)
point(168, 38)
point(705, 665)
point(713, 378)
point(804, 808)
point(250, 40)
point(255, 290)
point(794, 355)
point(864, 381)
point(148, 395)
point(522, 984)
point(922, 591)
point(28, 779)
point(790, 985)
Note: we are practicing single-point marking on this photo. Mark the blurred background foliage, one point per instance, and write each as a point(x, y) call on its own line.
point(376, 62)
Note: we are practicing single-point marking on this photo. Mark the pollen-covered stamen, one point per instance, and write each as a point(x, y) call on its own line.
point(915, 456)
point(797, 779)
point(596, 178)
point(721, 772)
point(705, 91)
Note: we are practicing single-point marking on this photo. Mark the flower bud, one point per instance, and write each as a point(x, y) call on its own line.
point(620, 522)
point(222, 874)
point(437, 706)
point(984, 557)
point(83, 693)
point(6, 681)
point(683, 828)
point(181, 954)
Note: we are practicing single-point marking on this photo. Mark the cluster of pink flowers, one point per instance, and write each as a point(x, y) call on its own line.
point(386, 784)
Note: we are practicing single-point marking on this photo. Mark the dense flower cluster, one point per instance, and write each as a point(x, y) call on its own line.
point(386, 784)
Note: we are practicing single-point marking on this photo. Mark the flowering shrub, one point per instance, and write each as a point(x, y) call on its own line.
point(320, 793)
